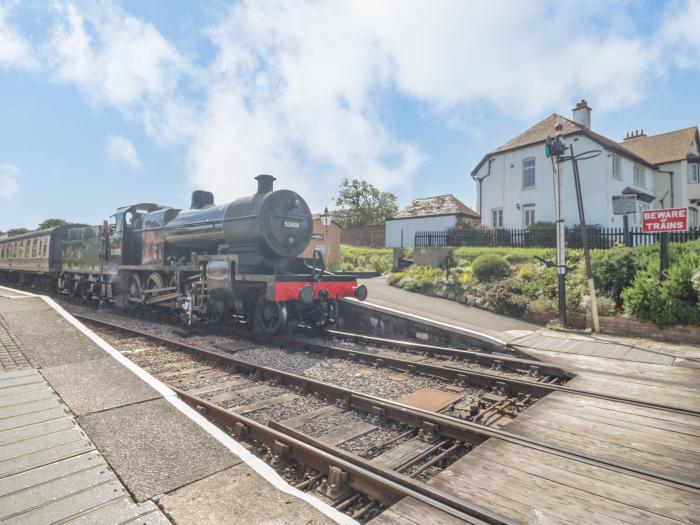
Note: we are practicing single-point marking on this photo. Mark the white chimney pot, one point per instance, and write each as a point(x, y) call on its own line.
point(582, 114)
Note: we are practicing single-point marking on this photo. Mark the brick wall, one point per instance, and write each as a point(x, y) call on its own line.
point(373, 236)
point(627, 326)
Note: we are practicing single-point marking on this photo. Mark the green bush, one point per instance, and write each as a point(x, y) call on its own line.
point(361, 259)
point(672, 301)
point(502, 299)
point(490, 266)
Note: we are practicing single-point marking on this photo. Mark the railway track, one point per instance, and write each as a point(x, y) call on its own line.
point(432, 426)
point(360, 485)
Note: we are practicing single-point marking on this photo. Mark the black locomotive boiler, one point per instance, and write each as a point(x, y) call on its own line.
point(206, 263)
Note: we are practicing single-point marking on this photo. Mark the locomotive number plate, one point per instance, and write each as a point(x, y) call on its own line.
point(292, 224)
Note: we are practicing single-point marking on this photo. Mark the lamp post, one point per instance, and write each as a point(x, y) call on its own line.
point(326, 218)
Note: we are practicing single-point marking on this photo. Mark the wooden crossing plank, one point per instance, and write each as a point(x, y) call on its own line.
point(654, 460)
point(557, 499)
point(636, 492)
point(503, 485)
point(596, 417)
point(570, 422)
point(400, 454)
point(347, 432)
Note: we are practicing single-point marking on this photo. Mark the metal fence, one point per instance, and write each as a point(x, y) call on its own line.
point(545, 238)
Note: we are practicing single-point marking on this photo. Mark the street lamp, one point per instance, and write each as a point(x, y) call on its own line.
point(326, 221)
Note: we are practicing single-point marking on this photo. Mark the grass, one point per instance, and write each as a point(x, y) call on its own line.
point(466, 254)
point(363, 259)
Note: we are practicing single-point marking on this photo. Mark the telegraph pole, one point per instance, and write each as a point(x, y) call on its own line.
point(554, 149)
point(561, 246)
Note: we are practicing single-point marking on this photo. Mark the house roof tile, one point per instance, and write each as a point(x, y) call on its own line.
point(539, 132)
point(664, 147)
point(437, 205)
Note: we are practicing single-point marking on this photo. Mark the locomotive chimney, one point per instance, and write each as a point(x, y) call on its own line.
point(265, 183)
point(201, 199)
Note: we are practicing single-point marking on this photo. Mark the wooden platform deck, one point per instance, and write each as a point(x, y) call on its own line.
point(531, 486)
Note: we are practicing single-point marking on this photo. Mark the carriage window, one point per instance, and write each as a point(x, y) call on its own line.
point(33, 247)
point(45, 248)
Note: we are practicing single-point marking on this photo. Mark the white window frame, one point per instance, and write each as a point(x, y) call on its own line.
point(636, 219)
point(497, 217)
point(617, 167)
point(528, 215)
point(534, 172)
point(640, 180)
point(693, 173)
point(693, 219)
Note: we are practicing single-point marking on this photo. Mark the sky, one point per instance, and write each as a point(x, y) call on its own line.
point(108, 103)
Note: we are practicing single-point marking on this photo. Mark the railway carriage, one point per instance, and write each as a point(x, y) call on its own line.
point(206, 263)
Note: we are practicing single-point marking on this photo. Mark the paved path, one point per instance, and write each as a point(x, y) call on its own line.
point(49, 469)
point(88, 437)
point(527, 336)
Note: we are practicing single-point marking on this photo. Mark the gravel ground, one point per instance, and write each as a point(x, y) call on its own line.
point(287, 410)
point(364, 445)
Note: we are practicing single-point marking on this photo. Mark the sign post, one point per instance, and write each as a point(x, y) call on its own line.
point(625, 205)
point(662, 222)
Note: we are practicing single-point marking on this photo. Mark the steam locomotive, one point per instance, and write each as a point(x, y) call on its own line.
point(207, 263)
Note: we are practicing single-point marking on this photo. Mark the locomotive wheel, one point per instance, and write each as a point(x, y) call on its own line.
point(216, 311)
point(270, 317)
point(133, 289)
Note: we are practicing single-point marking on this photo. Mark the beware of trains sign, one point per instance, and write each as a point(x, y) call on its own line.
point(668, 220)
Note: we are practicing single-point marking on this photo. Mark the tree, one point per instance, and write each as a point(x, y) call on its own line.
point(50, 223)
point(360, 203)
point(18, 231)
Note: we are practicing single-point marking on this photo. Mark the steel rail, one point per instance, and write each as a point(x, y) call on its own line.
point(466, 376)
point(361, 475)
point(434, 422)
point(482, 358)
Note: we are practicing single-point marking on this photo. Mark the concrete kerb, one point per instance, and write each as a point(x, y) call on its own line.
point(259, 466)
point(475, 337)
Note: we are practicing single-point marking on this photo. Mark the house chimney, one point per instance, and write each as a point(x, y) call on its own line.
point(582, 114)
point(635, 134)
point(265, 183)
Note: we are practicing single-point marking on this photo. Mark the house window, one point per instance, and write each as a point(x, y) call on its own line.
point(617, 167)
point(693, 218)
point(639, 176)
point(636, 219)
point(529, 172)
point(528, 215)
point(694, 173)
point(497, 217)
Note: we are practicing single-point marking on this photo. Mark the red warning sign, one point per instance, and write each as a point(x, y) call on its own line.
point(668, 220)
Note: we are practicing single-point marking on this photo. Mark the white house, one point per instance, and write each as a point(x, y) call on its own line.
point(677, 156)
point(437, 213)
point(515, 182)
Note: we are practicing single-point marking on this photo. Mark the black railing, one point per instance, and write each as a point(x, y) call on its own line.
point(545, 238)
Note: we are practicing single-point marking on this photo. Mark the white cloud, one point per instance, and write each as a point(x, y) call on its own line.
point(121, 149)
point(112, 56)
point(297, 89)
point(680, 36)
point(9, 184)
point(15, 50)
